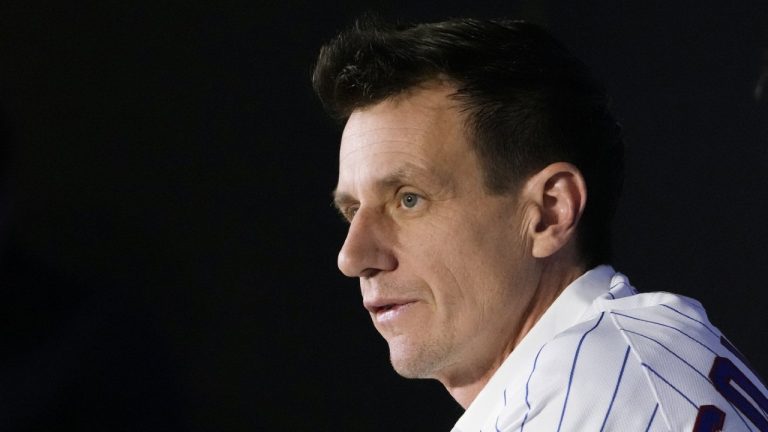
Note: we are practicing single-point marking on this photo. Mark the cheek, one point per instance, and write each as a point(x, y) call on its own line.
point(481, 272)
point(454, 256)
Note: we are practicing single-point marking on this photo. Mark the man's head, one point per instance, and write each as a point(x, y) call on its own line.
point(465, 162)
point(528, 101)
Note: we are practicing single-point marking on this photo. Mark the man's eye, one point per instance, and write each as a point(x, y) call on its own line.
point(409, 200)
point(349, 213)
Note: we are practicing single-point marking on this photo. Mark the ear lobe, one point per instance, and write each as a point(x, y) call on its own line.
point(560, 194)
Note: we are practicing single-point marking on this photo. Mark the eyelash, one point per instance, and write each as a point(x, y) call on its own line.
point(348, 213)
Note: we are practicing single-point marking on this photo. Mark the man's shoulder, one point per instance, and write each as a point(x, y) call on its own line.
point(618, 323)
point(629, 361)
point(660, 317)
point(647, 359)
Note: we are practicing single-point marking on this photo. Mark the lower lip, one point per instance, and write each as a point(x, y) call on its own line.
point(393, 313)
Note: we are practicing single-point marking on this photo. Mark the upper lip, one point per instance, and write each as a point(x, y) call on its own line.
point(378, 304)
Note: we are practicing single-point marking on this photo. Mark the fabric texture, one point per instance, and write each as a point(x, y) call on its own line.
point(605, 358)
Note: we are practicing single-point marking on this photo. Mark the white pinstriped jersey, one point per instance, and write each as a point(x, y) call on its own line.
point(605, 358)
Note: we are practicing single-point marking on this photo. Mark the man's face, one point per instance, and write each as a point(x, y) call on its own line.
point(443, 265)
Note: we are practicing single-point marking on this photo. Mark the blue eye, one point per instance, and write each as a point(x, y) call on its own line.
point(410, 200)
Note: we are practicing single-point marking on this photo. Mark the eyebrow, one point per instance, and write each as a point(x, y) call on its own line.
point(407, 173)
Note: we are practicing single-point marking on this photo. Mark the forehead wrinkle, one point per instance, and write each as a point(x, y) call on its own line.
point(410, 173)
point(363, 130)
point(354, 142)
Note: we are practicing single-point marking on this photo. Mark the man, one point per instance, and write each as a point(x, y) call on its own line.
point(479, 169)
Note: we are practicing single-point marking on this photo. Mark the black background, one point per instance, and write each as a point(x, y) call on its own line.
point(170, 245)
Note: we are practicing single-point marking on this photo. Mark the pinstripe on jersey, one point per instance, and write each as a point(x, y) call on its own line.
point(609, 359)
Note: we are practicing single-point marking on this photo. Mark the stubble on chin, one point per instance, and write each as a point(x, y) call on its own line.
point(422, 359)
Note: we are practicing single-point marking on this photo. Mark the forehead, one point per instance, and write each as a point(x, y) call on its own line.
point(424, 111)
point(423, 127)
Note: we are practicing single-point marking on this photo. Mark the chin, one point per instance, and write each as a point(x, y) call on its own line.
point(408, 369)
point(415, 360)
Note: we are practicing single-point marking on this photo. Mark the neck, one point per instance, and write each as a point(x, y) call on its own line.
point(553, 277)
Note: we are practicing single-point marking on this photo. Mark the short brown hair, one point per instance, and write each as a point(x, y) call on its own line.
point(529, 102)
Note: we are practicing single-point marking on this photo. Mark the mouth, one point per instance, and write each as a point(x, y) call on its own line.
point(385, 308)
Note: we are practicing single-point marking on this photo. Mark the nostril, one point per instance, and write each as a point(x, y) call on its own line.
point(369, 272)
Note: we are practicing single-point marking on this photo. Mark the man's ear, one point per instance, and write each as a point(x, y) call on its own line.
point(556, 197)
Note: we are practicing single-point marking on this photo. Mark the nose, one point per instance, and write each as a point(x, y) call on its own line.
point(367, 248)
